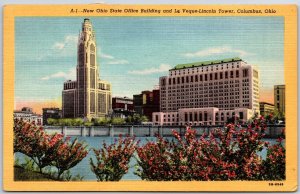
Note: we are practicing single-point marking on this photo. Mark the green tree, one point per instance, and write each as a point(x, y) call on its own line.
point(88, 123)
point(129, 119)
point(77, 122)
point(275, 116)
point(52, 121)
point(117, 121)
point(143, 119)
point(101, 121)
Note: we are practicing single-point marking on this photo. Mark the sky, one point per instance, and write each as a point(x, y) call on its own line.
point(133, 52)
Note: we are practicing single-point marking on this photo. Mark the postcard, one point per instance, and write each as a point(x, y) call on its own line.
point(150, 98)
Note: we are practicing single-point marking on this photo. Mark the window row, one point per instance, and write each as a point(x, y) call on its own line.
point(205, 77)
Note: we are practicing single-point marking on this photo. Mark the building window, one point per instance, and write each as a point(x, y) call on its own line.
point(187, 79)
point(226, 75)
point(174, 81)
point(245, 73)
point(241, 115)
point(237, 73)
point(231, 74)
point(192, 78)
point(182, 80)
point(221, 75)
point(210, 76)
point(205, 77)
point(196, 78)
point(185, 117)
point(201, 78)
point(200, 116)
point(191, 116)
point(195, 117)
point(178, 80)
point(205, 116)
point(216, 76)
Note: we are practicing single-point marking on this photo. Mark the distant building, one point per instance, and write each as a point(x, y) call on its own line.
point(279, 98)
point(54, 113)
point(138, 103)
point(89, 96)
point(266, 108)
point(147, 102)
point(122, 107)
point(208, 93)
point(26, 114)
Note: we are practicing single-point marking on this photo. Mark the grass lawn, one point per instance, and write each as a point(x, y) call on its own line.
point(21, 174)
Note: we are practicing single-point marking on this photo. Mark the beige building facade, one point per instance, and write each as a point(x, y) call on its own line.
point(88, 96)
point(279, 97)
point(215, 88)
point(266, 108)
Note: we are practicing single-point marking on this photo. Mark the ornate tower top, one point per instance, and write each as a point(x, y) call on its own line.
point(87, 31)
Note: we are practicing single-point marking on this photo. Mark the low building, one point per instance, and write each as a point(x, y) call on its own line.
point(54, 113)
point(147, 103)
point(200, 116)
point(26, 114)
point(266, 108)
point(122, 107)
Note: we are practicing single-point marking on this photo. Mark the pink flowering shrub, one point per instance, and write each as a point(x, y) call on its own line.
point(112, 161)
point(274, 165)
point(226, 154)
point(155, 161)
point(47, 150)
point(68, 154)
point(32, 141)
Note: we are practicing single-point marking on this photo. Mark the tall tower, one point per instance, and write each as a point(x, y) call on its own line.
point(87, 71)
point(91, 96)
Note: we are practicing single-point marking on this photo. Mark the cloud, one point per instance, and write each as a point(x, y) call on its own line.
point(215, 51)
point(71, 74)
point(111, 60)
point(161, 68)
point(106, 56)
point(117, 62)
point(69, 40)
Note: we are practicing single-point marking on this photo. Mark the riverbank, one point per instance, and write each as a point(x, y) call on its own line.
point(21, 174)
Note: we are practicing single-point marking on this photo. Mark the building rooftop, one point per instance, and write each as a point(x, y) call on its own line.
point(206, 63)
point(266, 103)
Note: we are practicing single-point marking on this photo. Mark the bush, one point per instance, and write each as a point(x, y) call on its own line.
point(68, 154)
point(226, 154)
point(155, 161)
point(32, 141)
point(47, 150)
point(274, 165)
point(112, 161)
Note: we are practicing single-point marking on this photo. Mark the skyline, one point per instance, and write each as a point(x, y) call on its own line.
point(140, 46)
